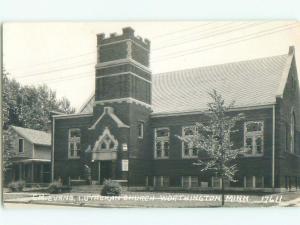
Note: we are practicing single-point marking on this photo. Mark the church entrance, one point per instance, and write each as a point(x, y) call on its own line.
point(102, 170)
point(105, 170)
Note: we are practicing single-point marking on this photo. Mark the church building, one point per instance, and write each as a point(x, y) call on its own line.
point(127, 130)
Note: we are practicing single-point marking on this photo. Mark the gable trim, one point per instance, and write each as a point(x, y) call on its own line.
point(110, 112)
point(285, 73)
point(99, 141)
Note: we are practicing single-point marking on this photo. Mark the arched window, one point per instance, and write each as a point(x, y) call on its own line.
point(293, 129)
point(106, 142)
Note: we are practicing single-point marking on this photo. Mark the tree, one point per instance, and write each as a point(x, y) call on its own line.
point(65, 105)
point(8, 154)
point(29, 107)
point(212, 141)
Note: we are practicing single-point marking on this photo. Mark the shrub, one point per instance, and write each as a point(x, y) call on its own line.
point(55, 187)
point(111, 188)
point(16, 185)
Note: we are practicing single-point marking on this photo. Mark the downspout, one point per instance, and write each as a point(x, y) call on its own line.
point(273, 150)
point(52, 152)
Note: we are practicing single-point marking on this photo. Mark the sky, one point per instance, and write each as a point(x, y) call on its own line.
point(63, 55)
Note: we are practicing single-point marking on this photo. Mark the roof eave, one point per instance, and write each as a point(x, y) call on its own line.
point(204, 111)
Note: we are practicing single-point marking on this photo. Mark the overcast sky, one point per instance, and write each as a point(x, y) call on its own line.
point(63, 55)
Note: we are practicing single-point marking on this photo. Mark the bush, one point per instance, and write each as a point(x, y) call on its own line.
point(16, 185)
point(111, 188)
point(55, 187)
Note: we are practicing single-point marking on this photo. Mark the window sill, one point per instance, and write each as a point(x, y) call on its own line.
point(161, 158)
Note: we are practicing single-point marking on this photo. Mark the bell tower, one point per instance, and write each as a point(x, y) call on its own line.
point(123, 100)
point(122, 69)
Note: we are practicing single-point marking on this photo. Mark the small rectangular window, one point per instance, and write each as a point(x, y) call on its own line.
point(185, 180)
point(124, 164)
point(189, 181)
point(259, 182)
point(165, 181)
point(21, 145)
point(124, 147)
point(141, 130)
point(249, 181)
point(161, 181)
point(194, 181)
point(216, 182)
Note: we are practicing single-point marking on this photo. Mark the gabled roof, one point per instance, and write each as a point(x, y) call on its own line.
point(249, 83)
point(34, 136)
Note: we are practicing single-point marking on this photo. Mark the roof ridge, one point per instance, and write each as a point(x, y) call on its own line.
point(221, 64)
point(26, 128)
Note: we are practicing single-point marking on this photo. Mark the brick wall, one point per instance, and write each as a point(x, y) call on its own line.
point(287, 163)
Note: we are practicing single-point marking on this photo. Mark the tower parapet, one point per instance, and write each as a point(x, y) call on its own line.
point(122, 69)
point(124, 46)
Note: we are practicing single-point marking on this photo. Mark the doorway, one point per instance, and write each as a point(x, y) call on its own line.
point(105, 170)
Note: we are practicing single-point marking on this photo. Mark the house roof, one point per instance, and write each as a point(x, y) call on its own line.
point(34, 136)
point(249, 83)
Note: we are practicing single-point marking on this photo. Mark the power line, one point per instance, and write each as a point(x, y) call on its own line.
point(193, 51)
point(211, 35)
point(68, 76)
point(216, 27)
point(182, 53)
point(93, 52)
point(56, 70)
point(180, 31)
point(51, 61)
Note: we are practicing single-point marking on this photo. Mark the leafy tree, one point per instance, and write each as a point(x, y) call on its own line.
point(8, 154)
point(65, 105)
point(29, 107)
point(213, 144)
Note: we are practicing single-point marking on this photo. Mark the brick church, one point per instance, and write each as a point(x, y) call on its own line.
point(127, 130)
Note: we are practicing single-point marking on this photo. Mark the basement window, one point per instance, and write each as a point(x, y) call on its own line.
point(254, 138)
point(189, 181)
point(161, 181)
point(74, 143)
